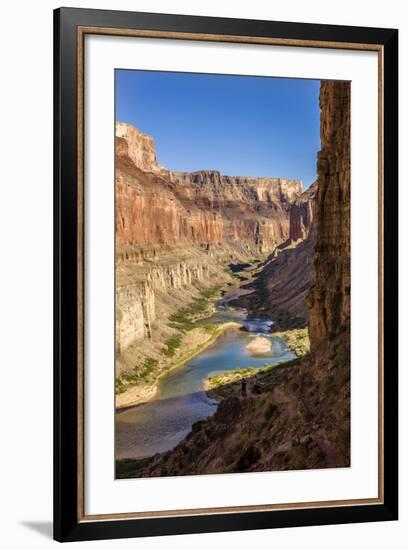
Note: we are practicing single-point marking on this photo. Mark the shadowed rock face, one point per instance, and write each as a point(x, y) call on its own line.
point(329, 298)
point(284, 284)
point(214, 186)
point(301, 419)
point(281, 287)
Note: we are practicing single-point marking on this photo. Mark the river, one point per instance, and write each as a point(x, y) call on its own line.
point(158, 425)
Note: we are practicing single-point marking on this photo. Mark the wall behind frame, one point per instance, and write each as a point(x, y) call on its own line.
point(26, 274)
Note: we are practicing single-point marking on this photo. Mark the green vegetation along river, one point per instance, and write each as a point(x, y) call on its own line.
point(158, 425)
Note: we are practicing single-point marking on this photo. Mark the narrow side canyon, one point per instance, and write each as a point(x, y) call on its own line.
point(280, 288)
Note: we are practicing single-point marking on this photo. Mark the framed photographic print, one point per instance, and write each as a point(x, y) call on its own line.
point(225, 274)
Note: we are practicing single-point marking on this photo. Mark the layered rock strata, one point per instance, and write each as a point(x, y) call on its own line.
point(176, 232)
point(280, 289)
point(155, 206)
point(329, 298)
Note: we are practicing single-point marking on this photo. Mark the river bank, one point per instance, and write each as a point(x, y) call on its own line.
point(158, 425)
point(195, 342)
point(194, 328)
point(150, 359)
point(297, 340)
point(225, 384)
point(279, 286)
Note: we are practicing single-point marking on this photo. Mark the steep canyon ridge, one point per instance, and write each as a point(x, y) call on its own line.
point(178, 238)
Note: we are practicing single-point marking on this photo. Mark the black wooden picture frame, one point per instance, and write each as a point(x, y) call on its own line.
point(69, 522)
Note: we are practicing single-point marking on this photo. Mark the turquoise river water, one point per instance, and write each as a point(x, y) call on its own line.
point(159, 424)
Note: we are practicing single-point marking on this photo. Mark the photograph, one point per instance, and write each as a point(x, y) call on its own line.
point(201, 240)
point(225, 271)
point(232, 274)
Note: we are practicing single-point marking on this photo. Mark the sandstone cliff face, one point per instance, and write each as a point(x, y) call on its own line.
point(139, 147)
point(329, 298)
point(302, 213)
point(149, 213)
point(215, 187)
point(135, 313)
point(141, 291)
point(319, 222)
point(155, 206)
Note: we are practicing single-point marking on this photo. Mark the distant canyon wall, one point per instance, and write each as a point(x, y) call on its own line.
point(302, 214)
point(284, 282)
point(202, 208)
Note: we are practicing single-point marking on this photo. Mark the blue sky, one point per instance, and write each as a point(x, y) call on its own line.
point(239, 125)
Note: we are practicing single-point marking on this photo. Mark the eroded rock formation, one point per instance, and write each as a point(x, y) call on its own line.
point(155, 206)
point(301, 419)
point(302, 214)
point(329, 298)
point(175, 234)
point(280, 288)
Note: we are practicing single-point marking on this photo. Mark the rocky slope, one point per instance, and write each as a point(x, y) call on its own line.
point(301, 418)
point(175, 234)
point(280, 288)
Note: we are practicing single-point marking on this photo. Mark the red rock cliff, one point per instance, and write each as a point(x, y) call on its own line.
point(158, 207)
point(329, 298)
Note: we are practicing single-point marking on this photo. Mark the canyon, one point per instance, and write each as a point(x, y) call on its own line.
point(177, 233)
point(300, 415)
point(279, 291)
point(205, 209)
